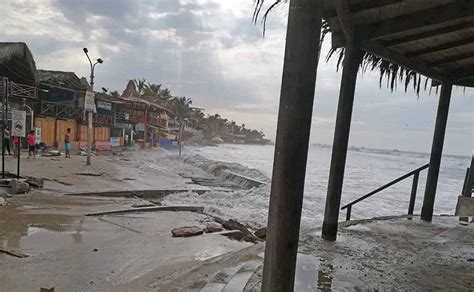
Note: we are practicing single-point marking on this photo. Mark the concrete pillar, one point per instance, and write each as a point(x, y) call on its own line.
point(291, 146)
point(352, 59)
point(436, 152)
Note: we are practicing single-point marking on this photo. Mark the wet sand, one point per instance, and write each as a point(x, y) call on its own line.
point(73, 252)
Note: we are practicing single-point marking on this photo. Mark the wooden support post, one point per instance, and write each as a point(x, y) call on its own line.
point(468, 182)
point(291, 146)
point(436, 152)
point(352, 59)
point(414, 187)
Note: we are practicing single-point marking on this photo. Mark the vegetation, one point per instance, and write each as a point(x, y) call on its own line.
point(211, 125)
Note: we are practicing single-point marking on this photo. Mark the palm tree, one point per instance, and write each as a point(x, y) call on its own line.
point(140, 84)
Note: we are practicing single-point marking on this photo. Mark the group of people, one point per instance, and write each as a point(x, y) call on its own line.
point(31, 141)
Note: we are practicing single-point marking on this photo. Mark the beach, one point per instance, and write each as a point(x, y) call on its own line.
point(70, 248)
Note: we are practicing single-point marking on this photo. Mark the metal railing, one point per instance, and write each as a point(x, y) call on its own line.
point(414, 187)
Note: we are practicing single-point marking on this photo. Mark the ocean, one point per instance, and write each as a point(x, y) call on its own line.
point(366, 170)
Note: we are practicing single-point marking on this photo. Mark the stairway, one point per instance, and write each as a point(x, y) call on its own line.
point(233, 279)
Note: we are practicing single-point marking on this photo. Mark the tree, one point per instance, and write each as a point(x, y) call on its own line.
point(140, 84)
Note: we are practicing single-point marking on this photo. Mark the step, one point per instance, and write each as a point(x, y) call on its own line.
point(220, 279)
point(239, 281)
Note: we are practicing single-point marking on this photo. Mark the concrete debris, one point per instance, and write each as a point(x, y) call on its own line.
point(235, 225)
point(3, 202)
point(213, 227)
point(36, 183)
point(261, 233)
point(187, 231)
point(46, 288)
point(19, 187)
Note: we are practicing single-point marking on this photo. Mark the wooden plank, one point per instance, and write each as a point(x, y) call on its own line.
point(413, 21)
point(429, 34)
point(452, 59)
point(13, 252)
point(414, 64)
point(441, 47)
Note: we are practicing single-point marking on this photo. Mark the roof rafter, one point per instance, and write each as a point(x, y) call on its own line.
point(429, 34)
point(452, 59)
point(429, 17)
point(441, 47)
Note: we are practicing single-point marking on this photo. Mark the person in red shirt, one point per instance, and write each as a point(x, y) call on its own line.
point(16, 146)
point(31, 139)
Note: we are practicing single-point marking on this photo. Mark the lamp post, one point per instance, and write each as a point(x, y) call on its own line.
point(89, 114)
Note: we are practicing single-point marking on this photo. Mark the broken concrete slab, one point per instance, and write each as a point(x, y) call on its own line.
point(213, 227)
point(261, 233)
point(187, 231)
point(152, 209)
point(3, 202)
point(19, 187)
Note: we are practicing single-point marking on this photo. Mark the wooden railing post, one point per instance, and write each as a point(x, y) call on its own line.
point(414, 188)
point(348, 214)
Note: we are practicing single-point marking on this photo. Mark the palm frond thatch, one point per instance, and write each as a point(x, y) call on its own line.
point(388, 70)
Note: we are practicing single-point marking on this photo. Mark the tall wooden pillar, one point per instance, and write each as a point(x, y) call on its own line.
point(291, 146)
point(352, 59)
point(436, 152)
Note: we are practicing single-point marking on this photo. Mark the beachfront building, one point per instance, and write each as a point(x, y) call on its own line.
point(404, 39)
point(150, 119)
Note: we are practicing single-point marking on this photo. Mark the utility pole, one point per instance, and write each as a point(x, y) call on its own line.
point(89, 114)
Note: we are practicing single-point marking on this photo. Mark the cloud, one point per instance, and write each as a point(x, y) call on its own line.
point(209, 50)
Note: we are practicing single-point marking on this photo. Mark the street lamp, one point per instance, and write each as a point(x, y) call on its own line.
point(89, 114)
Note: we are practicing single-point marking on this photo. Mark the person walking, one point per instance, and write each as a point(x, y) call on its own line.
point(67, 143)
point(16, 146)
point(6, 139)
point(31, 139)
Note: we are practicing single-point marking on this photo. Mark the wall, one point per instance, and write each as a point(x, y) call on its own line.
point(61, 127)
point(48, 130)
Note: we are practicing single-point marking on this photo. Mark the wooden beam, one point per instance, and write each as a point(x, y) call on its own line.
point(442, 47)
point(442, 14)
point(342, 12)
point(352, 59)
point(428, 34)
point(414, 64)
point(359, 6)
point(436, 152)
point(452, 59)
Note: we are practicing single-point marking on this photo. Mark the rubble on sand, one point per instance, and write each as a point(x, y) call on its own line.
point(187, 231)
point(213, 227)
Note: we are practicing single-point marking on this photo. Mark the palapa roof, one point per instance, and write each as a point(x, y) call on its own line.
point(432, 37)
point(403, 38)
point(17, 63)
point(130, 94)
point(66, 80)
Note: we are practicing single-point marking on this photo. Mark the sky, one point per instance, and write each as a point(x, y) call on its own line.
point(210, 51)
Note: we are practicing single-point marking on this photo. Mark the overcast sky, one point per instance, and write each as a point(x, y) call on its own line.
point(210, 51)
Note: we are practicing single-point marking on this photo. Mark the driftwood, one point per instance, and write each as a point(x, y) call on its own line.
point(13, 252)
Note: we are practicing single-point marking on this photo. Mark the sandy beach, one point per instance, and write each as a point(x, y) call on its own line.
point(73, 252)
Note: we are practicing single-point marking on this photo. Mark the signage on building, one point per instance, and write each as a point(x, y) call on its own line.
point(140, 127)
point(89, 102)
point(115, 141)
point(104, 105)
point(18, 123)
point(38, 135)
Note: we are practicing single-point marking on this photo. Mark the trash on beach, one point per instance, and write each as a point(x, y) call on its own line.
point(52, 153)
point(187, 231)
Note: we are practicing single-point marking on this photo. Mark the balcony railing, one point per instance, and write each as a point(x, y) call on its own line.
point(59, 110)
point(159, 122)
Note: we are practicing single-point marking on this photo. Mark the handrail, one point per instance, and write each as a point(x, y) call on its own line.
point(415, 173)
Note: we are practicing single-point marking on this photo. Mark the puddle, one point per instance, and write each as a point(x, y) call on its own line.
point(313, 274)
point(39, 240)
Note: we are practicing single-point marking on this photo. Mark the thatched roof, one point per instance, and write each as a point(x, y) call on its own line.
point(17, 63)
point(67, 80)
point(403, 39)
point(130, 94)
